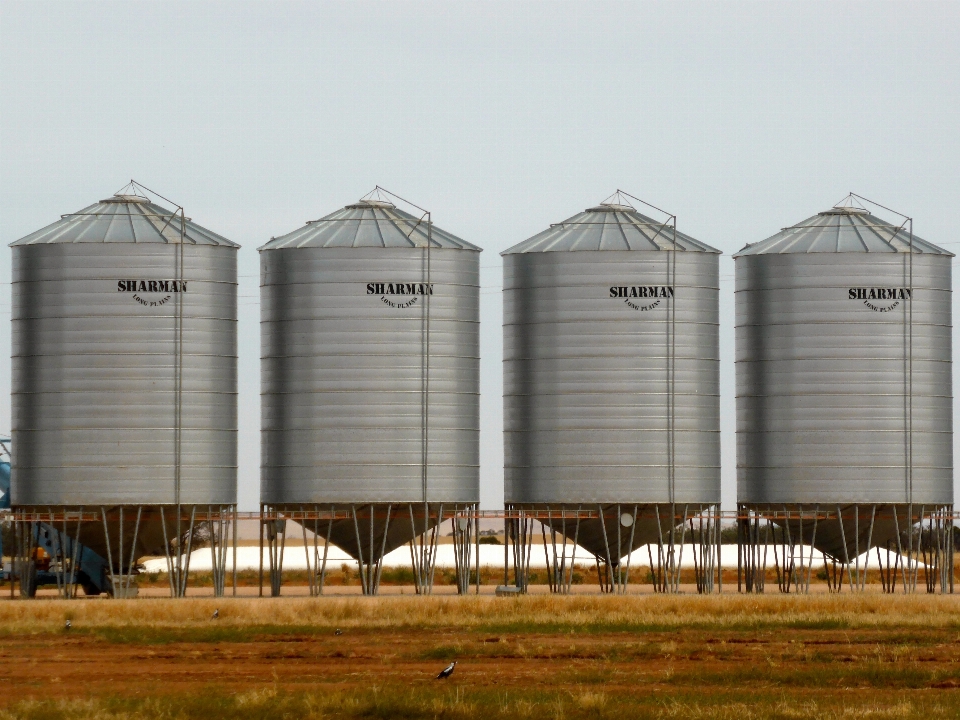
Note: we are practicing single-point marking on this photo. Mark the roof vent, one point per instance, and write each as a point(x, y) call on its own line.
point(612, 207)
point(845, 211)
point(371, 204)
point(126, 199)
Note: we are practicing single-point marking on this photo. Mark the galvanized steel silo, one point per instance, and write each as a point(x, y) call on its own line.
point(611, 377)
point(370, 375)
point(124, 367)
point(844, 386)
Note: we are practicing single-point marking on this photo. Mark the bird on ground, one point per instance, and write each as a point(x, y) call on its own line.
point(216, 614)
point(447, 671)
point(68, 625)
point(338, 632)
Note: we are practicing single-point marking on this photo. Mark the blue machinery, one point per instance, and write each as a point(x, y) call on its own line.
point(53, 558)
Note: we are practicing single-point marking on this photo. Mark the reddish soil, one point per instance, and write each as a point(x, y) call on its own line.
point(84, 665)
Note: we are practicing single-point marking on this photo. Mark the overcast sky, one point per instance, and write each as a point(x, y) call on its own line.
point(501, 118)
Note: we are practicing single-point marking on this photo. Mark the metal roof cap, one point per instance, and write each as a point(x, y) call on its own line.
point(124, 218)
point(368, 223)
point(371, 204)
point(611, 226)
point(837, 210)
point(843, 230)
point(611, 207)
point(118, 198)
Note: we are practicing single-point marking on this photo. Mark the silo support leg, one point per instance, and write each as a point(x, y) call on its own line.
point(573, 552)
point(260, 594)
point(699, 556)
point(24, 567)
point(746, 551)
point(633, 533)
point(660, 576)
point(311, 554)
point(683, 539)
point(899, 559)
point(219, 521)
point(462, 540)
point(526, 551)
point(383, 545)
point(703, 537)
point(752, 552)
point(606, 577)
point(356, 530)
point(276, 544)
point(950, 547)
point(56, 557)
point(521, 528)
point(127, 569)
point(423, 548)
point(528, 530)
point(216, 528)
point(371, 561)
point(519, 552)
point(326, 550)
point(414, 560)
point(813, 544)
point(866, 559)
point(106, 537)
point(75, 555)
point(167, 552)
point(317, 565)
point(934, 547)
point(476, 540)
point(178, 561)
point(506, 550)
point(234, 518)
point(185, 567)
point(551, 567)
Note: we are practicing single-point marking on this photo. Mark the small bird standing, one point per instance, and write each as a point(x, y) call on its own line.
point(68, 625)
point(447, 671)
point(338, 632)
point(216, 614)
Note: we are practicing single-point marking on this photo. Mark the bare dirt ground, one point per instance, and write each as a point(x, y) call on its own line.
point(718, 657)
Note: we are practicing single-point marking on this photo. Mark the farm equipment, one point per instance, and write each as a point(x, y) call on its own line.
point(53, 557)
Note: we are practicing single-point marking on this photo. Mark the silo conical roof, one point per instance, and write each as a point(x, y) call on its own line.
point(610, 226)
point(842, 230)
point(123, 218)
point(368, 223)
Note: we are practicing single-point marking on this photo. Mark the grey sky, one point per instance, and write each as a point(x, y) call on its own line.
point(499, 117)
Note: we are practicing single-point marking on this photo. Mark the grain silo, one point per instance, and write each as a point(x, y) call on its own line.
point(124, 387)
point(844, 401)
point(611, 391)
point(370, 385)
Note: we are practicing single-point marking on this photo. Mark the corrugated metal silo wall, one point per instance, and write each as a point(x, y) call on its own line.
point(822, 379)
point(342, 372)
point(586, 384)
point(94, 373)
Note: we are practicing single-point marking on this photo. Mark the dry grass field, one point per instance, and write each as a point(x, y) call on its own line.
point(738, 657)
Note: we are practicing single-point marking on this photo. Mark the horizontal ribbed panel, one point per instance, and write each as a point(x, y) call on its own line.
point(823, 379)
point(342, 375)
point(94, 398)
point(586, 387)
